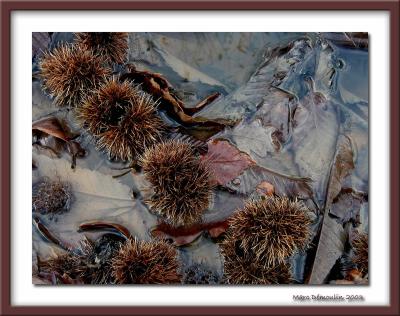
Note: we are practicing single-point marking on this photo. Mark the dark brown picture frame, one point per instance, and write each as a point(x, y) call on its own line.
point(8, 6)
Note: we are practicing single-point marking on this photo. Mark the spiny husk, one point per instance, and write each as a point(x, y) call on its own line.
point(181, 182)
point(89, 264)
point(112, 46)
point(122, 119)
point(270, 229)
point(142, 262)
point(242, 268)
point(69, 73)
point(360, 246)
point(70, 264)
point(51, 197)
point(200, 274)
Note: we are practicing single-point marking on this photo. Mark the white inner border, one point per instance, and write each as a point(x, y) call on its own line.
point(23, 23)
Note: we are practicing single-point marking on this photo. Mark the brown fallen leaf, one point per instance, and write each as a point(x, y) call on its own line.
point(49, 133)
point(100, 225)
point(52, 126)
point(182, 236)
point(49, 236)
point(284, 185)
point(265, 188)
point(226, 161)
point(237, 172)
point(217, 231)
point(161, 90)
point(178, 241)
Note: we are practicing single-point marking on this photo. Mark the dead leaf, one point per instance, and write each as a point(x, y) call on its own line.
point(161, 90)
point(330, 248)
point(265, 188)
point(343, 166)
point(315, 138)
point(226, 161)
point(332, 237)
point(49, 133)
point(49, 236)
point(100, 225)
point(283, 185)
point(346, 206)
point(217, 231)
point(97, 196)
point(52, 126)
point(178, 241)
point(182, 236)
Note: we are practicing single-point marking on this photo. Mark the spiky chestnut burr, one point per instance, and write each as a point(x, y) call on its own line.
point(67, 264)
point(112, 46)
point(240, 267)
point(143, 262)
point(122, 119)
point(270, 229)
point(69, 73)
point(90, 263)
point(51, 197)
point(200, 274)
point(181, 182)
point(360, 247)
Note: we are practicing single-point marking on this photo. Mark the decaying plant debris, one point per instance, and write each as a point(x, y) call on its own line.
point(200, 158)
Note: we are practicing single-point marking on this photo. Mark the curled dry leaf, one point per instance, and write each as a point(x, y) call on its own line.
point(178, 241)
point(100, 225)
point(49, 236)
point(161, 90)
point(182, 236)
point(53, 127)
point(50, 133)
point(218, 230)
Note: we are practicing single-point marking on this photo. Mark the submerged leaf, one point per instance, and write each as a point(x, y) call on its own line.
point(330, 248)
point(238, 172)
point(332, 237)
point(283, 185)
point(346, 206)
point(343, 166)
point(226, 161)
point(97, 197)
